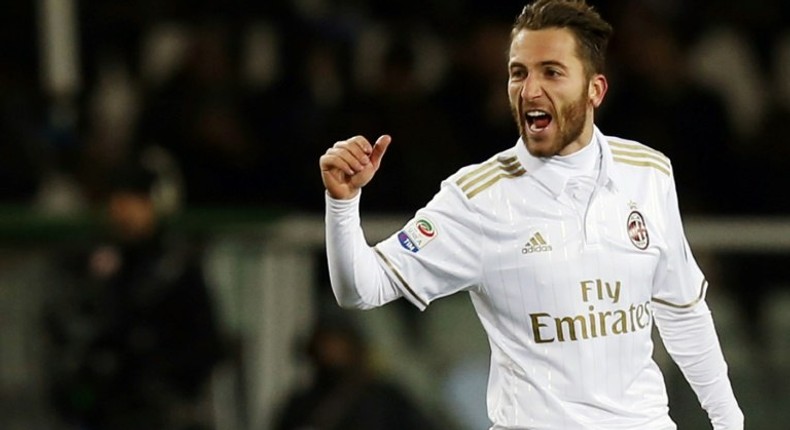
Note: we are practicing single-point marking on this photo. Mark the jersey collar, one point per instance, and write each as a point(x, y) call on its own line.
point(609, 175)
point(555, 181)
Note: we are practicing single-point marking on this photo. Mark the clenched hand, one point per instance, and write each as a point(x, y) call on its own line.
point(350, 164)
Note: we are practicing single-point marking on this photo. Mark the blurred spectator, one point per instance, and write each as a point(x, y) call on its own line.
point(238, 143)
point(708, 83)
point(198, 116)
point(132, 322)
point(471, 91)
point(107, 122)
point(290, 115)
point(738, 54)
point(345, 392)
point(655, 100)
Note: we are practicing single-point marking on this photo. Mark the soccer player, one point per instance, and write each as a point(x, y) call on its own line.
point(570, 245)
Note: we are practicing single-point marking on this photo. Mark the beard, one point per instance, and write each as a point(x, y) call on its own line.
point(569, 120)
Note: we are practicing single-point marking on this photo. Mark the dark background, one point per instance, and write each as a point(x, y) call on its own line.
point(241, 98)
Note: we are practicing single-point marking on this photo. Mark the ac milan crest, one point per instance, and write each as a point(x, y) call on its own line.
point(637, 230)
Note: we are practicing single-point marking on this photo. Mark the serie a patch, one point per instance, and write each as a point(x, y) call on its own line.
point(417, 234)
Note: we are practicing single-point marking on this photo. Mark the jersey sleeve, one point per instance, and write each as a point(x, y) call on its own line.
point(679, 283)
point(357, 277)
point(691, 340)
point(438, 252)
point(685, 324)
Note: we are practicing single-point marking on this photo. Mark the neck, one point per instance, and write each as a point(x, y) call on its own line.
point(583, 140)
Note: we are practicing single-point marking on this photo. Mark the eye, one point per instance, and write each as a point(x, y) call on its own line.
point(517, 73)
point(553, 73)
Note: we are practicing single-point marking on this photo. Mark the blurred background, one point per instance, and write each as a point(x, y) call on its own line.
point(161, 235)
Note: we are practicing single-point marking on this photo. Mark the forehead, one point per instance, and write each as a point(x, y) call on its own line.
point(546, 45)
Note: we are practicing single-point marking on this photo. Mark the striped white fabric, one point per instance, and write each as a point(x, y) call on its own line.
point(565, 294)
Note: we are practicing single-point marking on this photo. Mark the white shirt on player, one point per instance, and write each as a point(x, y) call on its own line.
point(566, 260)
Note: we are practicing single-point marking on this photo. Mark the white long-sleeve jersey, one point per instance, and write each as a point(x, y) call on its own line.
point(566, 281)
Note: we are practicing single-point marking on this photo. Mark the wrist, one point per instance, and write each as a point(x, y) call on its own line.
point(343, 195)
point(335, 204)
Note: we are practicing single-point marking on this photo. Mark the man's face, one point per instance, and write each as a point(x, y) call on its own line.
point(550, 94)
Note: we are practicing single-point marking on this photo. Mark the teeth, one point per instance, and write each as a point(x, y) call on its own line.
point(532, 117)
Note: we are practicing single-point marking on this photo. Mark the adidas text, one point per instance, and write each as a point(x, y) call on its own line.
point(529, 249)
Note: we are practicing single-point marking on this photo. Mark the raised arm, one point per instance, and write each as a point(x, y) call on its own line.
point(356, 275)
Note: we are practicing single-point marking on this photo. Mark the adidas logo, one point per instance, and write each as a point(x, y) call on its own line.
point(536, 244)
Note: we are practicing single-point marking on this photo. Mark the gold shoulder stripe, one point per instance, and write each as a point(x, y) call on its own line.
point(489, 173)
point(639, 154)
point(494, 180)
point(492, 170)
point(511, 168)
point(508, 161)
point(636, 146)
point(509, 164)
point(639, 163)
point(651, 159)
point(400, 277)
point(702, 289)
point(476, 171)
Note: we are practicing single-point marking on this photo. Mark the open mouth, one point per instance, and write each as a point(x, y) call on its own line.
point(537, 120)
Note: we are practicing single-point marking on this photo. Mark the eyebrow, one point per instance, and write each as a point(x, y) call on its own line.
point(553, 63)
point(546, 63)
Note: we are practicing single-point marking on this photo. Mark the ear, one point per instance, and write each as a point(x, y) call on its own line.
point(597, 89)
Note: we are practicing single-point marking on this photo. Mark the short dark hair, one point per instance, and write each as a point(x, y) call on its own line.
point(591, 32)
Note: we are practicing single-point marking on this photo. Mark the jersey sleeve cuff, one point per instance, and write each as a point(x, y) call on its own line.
point(342, 206)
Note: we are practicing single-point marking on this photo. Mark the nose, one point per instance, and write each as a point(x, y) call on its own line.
point(531, 89)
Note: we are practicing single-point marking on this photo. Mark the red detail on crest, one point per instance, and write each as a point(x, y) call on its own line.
point(637, 230)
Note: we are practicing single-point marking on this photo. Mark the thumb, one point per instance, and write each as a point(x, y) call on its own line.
point(379, 149)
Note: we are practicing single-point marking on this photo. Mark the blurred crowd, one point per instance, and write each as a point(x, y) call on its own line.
point(230, 104)
point(245, 95)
